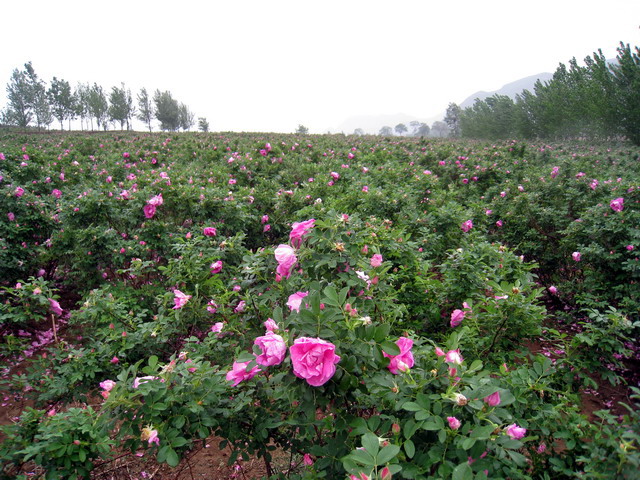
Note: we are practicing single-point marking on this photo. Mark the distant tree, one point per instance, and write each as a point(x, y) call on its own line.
point(386, 131)
point(121, 106)
point(98, 106)
point(146, 111)
point(40, 105)
point(627, 81)
point(401, 129)
point(187, 118)
point(359, 132)
point(439, 129)
point(452, 119)
point(302, 130)
point(203, 125)
point(20, 96)
point(62, 101)
point(423, 130)
point(415, 125)
point(81, 94)
point(167, 110)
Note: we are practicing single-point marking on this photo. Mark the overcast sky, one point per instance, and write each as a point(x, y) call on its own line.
point(269, 65)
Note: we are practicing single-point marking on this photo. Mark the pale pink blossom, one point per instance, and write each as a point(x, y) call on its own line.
point(180, 299)
point(466, 226)
point(271, 325)
point(156, 201)
point(515, 432)
point(295, 300)
point(216, 267)
point(209, 232)
point(239, 373)
point(217, 327)
point(376, 260)
point(454, 356)
point(273, 349)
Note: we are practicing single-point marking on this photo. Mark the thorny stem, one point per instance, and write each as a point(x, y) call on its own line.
point(55, 332)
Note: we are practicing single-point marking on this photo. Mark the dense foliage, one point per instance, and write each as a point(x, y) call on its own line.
point(362, 303)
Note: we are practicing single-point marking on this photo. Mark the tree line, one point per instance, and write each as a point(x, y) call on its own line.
point(33, 103)
point(598, 100)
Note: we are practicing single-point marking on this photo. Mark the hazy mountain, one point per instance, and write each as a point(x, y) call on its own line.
point(373, 123)
point(510, 89)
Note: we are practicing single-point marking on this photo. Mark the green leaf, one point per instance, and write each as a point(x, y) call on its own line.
point(387, 453)
point(153, 361)
point(363, 457)
point(482, 433)
point(382, 332)
point(462, 472)
point(411, 407)
point(390, 347)
point(370, 443)
point(172, 458)
point(409, 448)
point(331, 297)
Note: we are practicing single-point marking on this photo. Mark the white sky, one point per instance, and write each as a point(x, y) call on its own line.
point(269, 65)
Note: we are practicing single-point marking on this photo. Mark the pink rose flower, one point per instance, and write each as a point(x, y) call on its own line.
point(404, 360)
point(240, 307)
point(264, 219)
point(19, 191)
point(493, 400)
point(150, 436)
point(456, 317)
point(454, 356)
point(209, 232)
point(54, 307)
point(141, 380)
point(212, 306)
point(376, 260)
point(454, 423)
point(553, 290)
point(630, 248)
point(617, 204)
point(576, 256)
point(314, 360)
point(156, 201)
point(286, 258)
point(273, 349)
point(239, 373)
point(216, 267)
point(180, 299)
point(107, 385)
point(271, 325)
point(515, 432)
point(466, 226)
point(307, 460)
point(295, 300)
point(299, 230)
point(217, 327)
point(149, 210)
point(56, 193)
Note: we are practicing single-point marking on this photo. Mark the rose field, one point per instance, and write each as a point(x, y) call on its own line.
point(317, 306)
